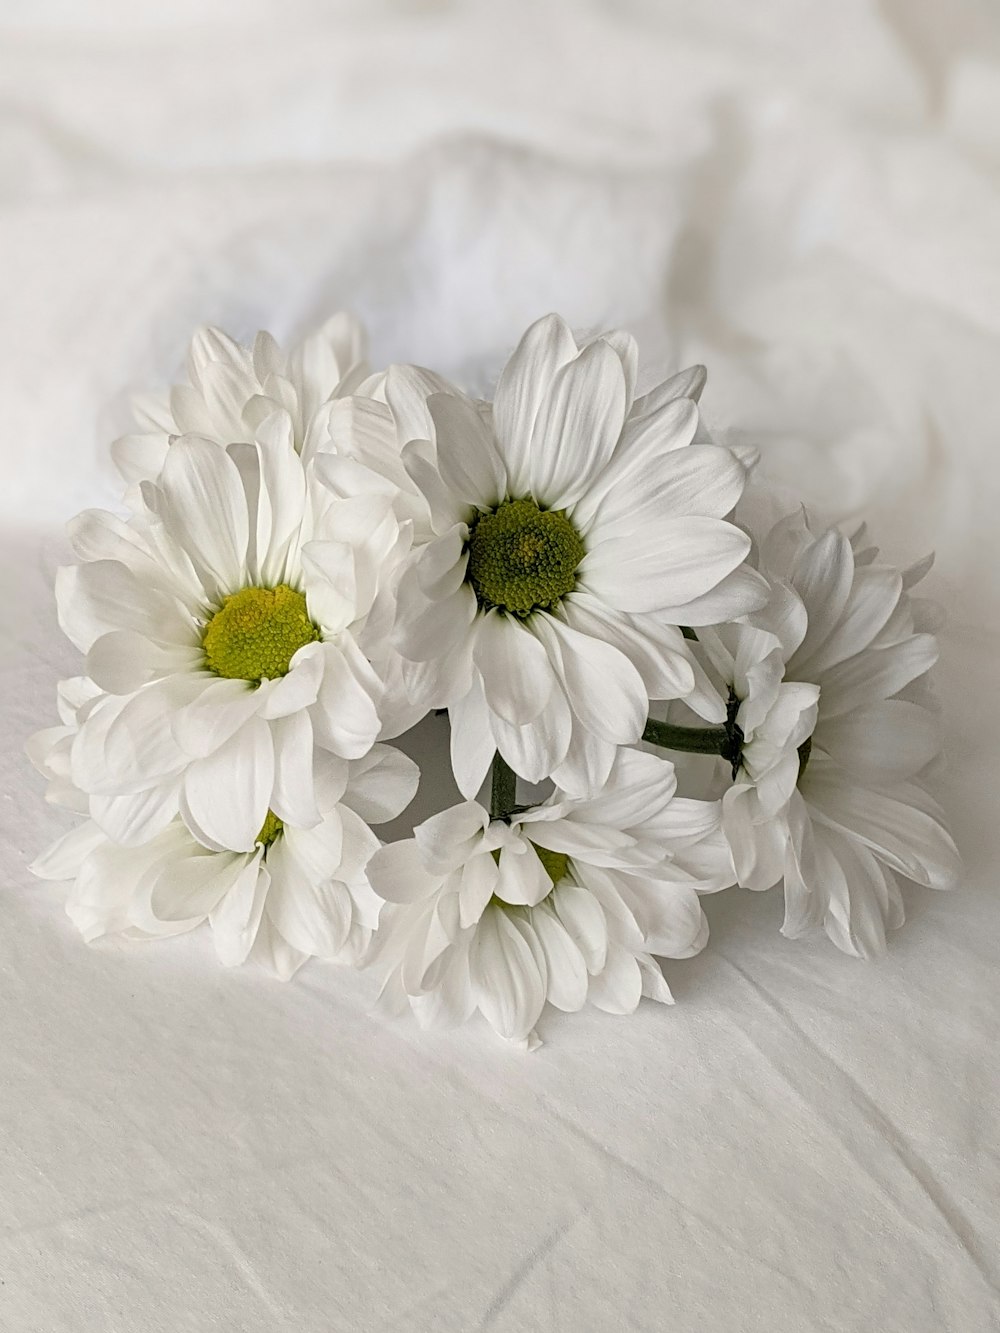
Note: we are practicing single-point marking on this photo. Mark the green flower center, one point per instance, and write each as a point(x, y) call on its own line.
point(556, 865)
point(522, 558)
point(256, 632)
point(269, 830)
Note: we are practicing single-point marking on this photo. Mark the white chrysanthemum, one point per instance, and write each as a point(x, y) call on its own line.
point(567, 902)
point(825, 688)
point(234, 390)
point(575, 527)
point(221, 625)
point(298, 893)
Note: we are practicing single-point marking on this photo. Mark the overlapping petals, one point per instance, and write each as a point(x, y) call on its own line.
point(301, 893)
point(566, 903)
point(836, 733)
point(237, 393)
point(315, 556)
point(164, 735)
point(558, 690)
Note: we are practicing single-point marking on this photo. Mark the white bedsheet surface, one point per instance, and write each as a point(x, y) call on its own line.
point(806, 196)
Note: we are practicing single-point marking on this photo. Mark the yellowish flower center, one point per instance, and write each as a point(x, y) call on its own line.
point(256, 632)
point(269, 830)
point(522, 558)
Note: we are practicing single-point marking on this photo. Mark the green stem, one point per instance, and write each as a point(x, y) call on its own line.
point(503, 792)
point(692, 740)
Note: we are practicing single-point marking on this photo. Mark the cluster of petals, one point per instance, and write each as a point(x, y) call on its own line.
point(558, 690)
point(475, 919)
point(311, 556)
point(164, 735)
point(837, 730)
point(304, 894)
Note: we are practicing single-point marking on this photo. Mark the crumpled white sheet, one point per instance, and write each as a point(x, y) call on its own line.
point(807, 197)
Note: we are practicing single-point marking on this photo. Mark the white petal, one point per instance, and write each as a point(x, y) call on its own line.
point(505, 977)
point(63, 859)
point(448, 839)
point(873, 598)
point(396, 873)
point(617, 988)
point(136, 818)
point(345, 716)
point(702, 479)
point(467, 458)
point(566, 971)
point(313, 918)
point(523, 879)
point(577, 426)
point(236, 919)
point(381, 784)
point(886, 741)
point(205, 507)
point(178, 893)
point(583, 920)
point(273, 952)
point(437, 629)
point(604, 689)
point(586, 764)
point(331, 584)
point(670, 915)
point(280, 504)
point(293, 798)
point(822, 576)
point(102, 596)
point(225, 796)
point(876, 674)
point(471, 740)
point(298, 688)
point(545, 348)
point(536, 750)
point(517, 676)
point(740, 593)
point(219, 710)
point(140, 457)
point(909, 840)
point(688, 383)
point(407, 389)
point(126, 742)
point(122, 662)
point(687, 559)
point(640, 452)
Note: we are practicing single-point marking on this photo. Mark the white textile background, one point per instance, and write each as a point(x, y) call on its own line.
point(806, 196)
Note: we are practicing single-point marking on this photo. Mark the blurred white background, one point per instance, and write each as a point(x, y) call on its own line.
point(806, 196)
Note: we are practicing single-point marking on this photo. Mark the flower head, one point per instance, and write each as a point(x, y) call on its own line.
point(827, 689)
point(572, 528)
point(300, 397)
point(566, 903)
point(295, 893)
point(225, 631)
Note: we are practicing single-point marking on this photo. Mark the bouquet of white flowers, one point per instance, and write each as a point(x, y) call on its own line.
point(311, 557)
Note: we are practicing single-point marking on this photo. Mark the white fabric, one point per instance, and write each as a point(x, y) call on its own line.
point(806, 196)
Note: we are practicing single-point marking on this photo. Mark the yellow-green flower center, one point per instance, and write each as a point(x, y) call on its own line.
point(269, 830)
point(256, 632)
point(522, 558)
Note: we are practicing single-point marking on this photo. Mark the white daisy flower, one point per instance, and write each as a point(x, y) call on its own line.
point(825, 689)
point(221, 626)
point(234, 390)
point(567, 902)
point(574, 529)
point(297, 893)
